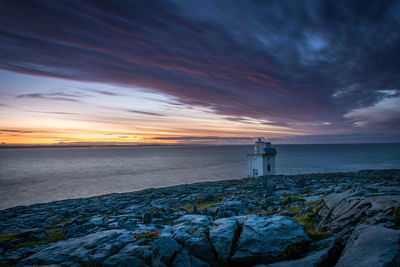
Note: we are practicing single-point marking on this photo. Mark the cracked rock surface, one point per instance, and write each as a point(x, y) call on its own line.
point(342, 219)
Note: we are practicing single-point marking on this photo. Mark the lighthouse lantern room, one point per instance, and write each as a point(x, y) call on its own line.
point(262, 161)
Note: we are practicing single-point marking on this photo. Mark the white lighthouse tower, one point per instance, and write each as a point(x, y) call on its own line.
point(262, 161)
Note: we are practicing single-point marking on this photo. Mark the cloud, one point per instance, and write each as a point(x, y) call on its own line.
point(52, 96)
point(282, 61)
point(101, 92)
point(14, 131)
point(294, 139)
point(202, 138)
point(54, 112)
point(338, 138)
point(382, 115)
point(237, 119)
point(145, 113)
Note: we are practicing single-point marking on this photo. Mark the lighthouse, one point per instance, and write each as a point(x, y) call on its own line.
point(262, 160)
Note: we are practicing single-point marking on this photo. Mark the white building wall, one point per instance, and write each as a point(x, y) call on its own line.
point(259, 165)
point(261, 162)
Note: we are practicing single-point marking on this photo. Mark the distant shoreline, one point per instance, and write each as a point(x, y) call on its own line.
point(339, 174)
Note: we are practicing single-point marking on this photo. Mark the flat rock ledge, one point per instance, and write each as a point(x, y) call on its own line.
point(331, 219)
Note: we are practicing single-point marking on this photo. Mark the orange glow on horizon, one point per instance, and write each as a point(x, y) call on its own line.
point(126, 116)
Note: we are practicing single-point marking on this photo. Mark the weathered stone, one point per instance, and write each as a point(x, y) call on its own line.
point(264, 239)
point(38, 236)
point(97, 220)
point(184, 259)
point(200, 247)
point(69, 264)
point(130, 255)
point(362, 197)
point(194, 209)
point(228, 213)
point(344, 211)
point(323, 257)
point(89, 249)
point(222, 236)
point(287, 213)
point(371, 245)
point(71, 230)
point(164, 250)
point(195, 220)
point(188, 225)
point(147, 218)
point(124, 260)
point(204, 211)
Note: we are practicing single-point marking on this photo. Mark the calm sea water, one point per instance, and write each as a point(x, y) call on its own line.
point(35, 175)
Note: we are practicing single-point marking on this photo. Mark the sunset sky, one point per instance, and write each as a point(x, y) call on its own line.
point(217, 72)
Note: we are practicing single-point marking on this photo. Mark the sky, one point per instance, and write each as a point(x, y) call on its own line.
point(214, 72)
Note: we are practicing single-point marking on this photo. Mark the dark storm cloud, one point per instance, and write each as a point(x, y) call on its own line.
point(284, 61)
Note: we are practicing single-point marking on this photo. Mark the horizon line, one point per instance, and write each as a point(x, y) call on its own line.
point(17, 146)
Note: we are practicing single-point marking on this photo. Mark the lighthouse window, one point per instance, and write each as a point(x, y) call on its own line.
point(269, 167)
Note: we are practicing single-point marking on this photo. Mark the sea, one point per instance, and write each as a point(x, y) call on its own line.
point(38, 175)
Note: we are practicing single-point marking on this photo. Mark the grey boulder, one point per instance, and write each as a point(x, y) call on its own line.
point(323, 257)
point(264, 239)
point(164, 250)
point(89, 249)
point(130, 255)
point(184, 259)
point(222, 235)
point(371, 245)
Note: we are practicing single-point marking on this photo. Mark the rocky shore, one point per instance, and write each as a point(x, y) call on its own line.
point(333, 219)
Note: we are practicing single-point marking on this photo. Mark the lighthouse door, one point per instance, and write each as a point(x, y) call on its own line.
point(255, 173)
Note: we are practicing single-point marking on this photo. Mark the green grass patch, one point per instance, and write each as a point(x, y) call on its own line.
point(396, 215)
point(296, 196)
point(268, 212)
point(9, 236)
point(295, 251)
point(316, 236)
point(54, 235)
point(314, 203)
point(202, 205)
point(61, 221)
point(295, 209)
point(255, 209)
point(309, 222)
point(150, 234)
point(50, 239)
point(170, 222)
